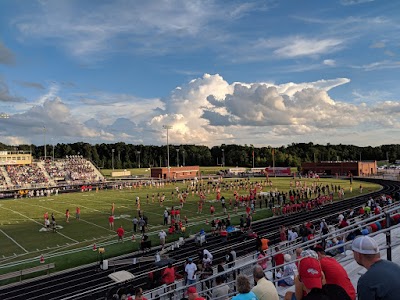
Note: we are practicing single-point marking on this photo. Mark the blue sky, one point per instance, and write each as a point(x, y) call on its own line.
point(245, 72)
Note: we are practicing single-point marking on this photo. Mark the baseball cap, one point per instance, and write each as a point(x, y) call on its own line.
point(365, 245)
point(310, 272)
point(190, 259)
point(191, 290)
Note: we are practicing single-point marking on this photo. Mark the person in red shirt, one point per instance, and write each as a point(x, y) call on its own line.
point(192, 294)
point(334, 272)
point(278, 257)
point(168, 276)
point(139, 294)
point(120, 233)
point(46, 215)
point(111, 222)
point(212, 210)
point(78, 213)
point(67, 216)
point(248, 209)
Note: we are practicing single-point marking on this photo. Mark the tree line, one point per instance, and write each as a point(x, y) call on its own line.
point(125, 156)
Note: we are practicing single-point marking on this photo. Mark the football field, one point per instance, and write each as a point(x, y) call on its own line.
point(23, 235)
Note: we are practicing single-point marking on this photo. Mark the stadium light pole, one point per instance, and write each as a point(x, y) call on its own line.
point(138, 153)
point(4, 116)
point(183, 157)
point(52, 141)
point(168, 127)
point(44, 140)
point(112, 158)
point(177, 157)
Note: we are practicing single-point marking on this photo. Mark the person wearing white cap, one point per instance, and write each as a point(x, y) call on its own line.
point(382, 280)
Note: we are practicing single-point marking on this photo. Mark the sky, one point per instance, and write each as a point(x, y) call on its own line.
point(262, 73)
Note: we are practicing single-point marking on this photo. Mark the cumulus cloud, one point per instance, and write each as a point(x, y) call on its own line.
point(207, 110)
point(55, 116)
point(6, 55)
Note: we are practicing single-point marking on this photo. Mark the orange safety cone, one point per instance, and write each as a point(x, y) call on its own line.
point(94, 247)
point(42, 259)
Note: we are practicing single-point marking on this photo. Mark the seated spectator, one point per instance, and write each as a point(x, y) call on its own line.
point(262, 260)
point(381, 281)
point(310, 284)
point(264, 289)
point(192, 294)
point(139, 294)
point(334, 272)
point(288, 272)
point(221, 291)
point(244, 290)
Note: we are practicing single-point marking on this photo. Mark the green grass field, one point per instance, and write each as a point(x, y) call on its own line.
point(21, 222)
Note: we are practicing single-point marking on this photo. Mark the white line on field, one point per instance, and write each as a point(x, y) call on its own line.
point(14, 241)
point(16, 212)
point(82, 220)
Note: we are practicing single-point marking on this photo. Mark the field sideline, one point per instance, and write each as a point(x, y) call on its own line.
point(22, 220)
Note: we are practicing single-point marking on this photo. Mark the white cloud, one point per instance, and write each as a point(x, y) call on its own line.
point(87, 32)
point(329, 62)
point(299, 46)
point(379, 65)
point(355, 2)
point(208, 110)
point(378, 45)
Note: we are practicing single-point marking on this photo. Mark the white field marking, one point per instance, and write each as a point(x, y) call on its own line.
point(26, 251)
point(67, 237)
point(82, 220)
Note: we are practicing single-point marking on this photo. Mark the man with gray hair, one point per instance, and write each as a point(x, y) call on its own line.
point(264, 289)
point(382, 280)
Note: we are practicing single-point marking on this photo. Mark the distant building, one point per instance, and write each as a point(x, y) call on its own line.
point(341, 168)
point(177, 173)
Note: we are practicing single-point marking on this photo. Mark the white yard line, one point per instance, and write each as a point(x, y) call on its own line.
point(82, 220)
point(16, 212)
point(16, 243)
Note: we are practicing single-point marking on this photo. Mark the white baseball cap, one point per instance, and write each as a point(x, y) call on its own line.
point(365, 245)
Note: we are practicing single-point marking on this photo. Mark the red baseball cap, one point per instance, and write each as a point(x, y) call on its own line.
point(191, 290)
point(310, 272)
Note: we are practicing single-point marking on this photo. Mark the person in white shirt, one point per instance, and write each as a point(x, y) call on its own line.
point(162, 236)
point(208, 253)
point(292, 235)
point(191, 270)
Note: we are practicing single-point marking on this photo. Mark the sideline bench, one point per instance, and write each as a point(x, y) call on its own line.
point(22, 272)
